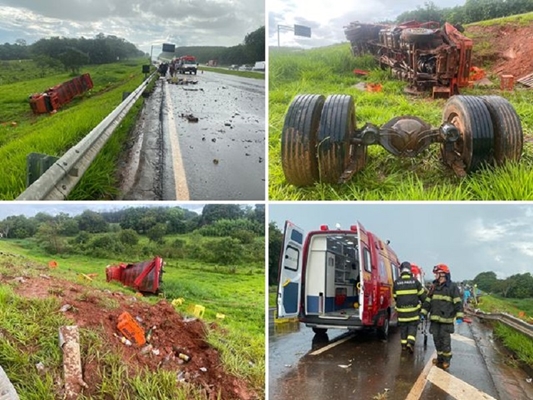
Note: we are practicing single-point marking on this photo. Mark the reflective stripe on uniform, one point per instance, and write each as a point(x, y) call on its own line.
point(442, 320)
point(408, 309)
point(456, 300)
point(459, 315)
point(441, 297)
point(411, 338)
point(403, 341)
point(447, 354)
point(408, 319)
point(402, 292)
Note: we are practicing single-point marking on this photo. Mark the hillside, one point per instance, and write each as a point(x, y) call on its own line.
point(503, 46)
point(31, 289)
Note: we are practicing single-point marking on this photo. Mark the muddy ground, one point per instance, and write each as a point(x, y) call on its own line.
point(508, 48)
point(173, 334)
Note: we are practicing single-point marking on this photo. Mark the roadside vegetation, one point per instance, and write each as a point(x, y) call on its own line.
point(521, 345)
point(328, 71)
point(244, 74)
point(22, 132)
point(215, 260)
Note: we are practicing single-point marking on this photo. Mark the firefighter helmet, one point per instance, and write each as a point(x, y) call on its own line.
point(405, 267)
point(441, 268)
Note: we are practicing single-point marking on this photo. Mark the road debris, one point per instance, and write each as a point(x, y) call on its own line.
point(69, 341)
point(189, 117)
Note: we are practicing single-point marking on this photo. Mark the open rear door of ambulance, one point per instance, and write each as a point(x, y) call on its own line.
point(290, 271)
point(364, 273)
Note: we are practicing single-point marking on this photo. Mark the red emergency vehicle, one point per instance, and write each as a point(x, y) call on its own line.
point(337, 278)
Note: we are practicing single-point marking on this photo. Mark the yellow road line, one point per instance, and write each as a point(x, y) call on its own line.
point(182, 190)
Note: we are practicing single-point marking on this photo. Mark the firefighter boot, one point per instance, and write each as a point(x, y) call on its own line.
point(437, 362)
point(445, 365)
point(410, 347)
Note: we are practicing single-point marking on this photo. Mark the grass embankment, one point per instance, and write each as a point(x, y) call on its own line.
point(328, 71)
point(29, 327)
point(244, 74)
point(519, 343)
point(22, 132)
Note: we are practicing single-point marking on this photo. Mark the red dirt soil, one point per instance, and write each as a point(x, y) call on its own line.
point(510, 47)
point(173, 335)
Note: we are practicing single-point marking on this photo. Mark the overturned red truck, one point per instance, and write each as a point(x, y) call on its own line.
point(55, 97)
point(429, 57)
point(145, 276)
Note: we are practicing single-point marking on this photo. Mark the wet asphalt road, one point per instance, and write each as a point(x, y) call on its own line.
point(202, 141)
point(362, 367)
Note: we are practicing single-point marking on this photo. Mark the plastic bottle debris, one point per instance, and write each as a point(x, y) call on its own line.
point(149, 333)
point(123, 339)
point(39, 366)
point(203, 369)
point(184, 357)
point(146, 349)
point(65, 308)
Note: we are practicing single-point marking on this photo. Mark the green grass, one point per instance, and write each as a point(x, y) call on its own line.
point(521, 19)
point(495, 304)
point(27, 339)
point(22, 133)
point(519, 343)
point(328, 71)
point(244, 74)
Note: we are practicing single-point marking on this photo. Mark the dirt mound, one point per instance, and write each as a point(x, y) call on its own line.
point(173, 334)
point(507, 47)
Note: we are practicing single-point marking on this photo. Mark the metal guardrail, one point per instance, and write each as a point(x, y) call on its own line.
point(509, 320)
point(59, 180)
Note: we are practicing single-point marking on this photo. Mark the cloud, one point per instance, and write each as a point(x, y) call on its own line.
point(141, 22)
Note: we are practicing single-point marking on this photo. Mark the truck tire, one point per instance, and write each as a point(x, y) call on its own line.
point(508, 135)
point(417, 35)
point(320, 331)
point(471, 116)
point(337, 123)
point(299, 140)
point(383, 331)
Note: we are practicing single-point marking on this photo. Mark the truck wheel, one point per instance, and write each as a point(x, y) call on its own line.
point(383, 331)
point(299, 140)
point(508, 135)
point(470, 115)
point(417, 35)
point(320, 331)
point(337, 123)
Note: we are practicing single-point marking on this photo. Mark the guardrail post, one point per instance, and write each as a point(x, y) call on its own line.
point(36, 165)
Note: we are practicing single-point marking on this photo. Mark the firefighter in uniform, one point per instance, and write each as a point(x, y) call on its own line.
point(409, 295)
point(444, 306)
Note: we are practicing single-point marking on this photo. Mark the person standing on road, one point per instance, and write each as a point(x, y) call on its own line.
point(444, 306)
point(409, 295)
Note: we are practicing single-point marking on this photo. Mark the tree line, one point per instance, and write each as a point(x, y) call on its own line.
point(248, 52)
point(222, 233)
point(72, 53)
point(471, 11)
point(518, 286)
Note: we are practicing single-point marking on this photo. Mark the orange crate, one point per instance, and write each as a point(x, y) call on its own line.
point(131, 329)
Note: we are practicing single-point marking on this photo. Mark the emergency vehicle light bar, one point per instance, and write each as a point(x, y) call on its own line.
point(324, 228)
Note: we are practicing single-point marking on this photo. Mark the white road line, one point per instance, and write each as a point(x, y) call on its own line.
point(464, 339)
point(455, 387)
point(180, 180)
point(418, 387)
point(329, 346)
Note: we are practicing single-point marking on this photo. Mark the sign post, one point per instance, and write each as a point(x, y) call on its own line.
point(299, 30)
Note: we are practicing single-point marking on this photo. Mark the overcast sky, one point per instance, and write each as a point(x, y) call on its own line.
point(469, 237)
point(326, 18)
point(29, 209)
point(141, 22)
